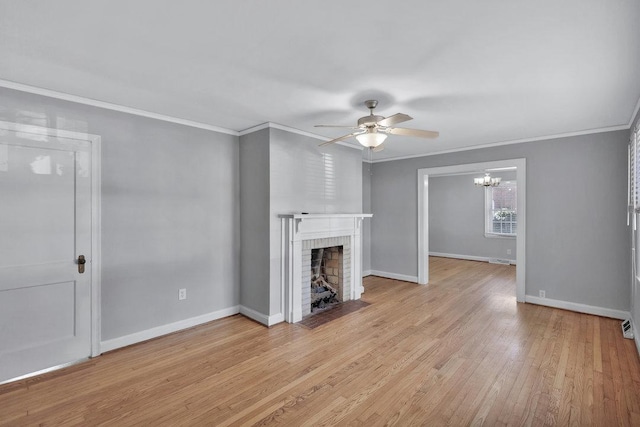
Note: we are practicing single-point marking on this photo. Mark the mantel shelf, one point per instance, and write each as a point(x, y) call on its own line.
point(329, 215)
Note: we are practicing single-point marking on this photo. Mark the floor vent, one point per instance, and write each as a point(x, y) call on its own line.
point(499, 261)
point(627, 330)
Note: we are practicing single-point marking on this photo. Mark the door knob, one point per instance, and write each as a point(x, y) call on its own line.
point(81, 263)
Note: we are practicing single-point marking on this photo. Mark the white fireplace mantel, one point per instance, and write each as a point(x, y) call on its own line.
point(297, 228)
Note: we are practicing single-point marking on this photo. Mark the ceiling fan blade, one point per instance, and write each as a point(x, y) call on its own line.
point(336, 126)
point(342, 138)
point(396, 118)
point(378, 148)
point(414, 132)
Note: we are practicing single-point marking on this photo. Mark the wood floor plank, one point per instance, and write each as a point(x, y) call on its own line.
point(459, 351)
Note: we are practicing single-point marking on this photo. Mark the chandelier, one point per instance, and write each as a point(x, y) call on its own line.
point(487, 181)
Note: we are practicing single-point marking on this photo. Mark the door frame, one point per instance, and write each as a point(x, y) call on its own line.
point(37, 133)
point(423, 214)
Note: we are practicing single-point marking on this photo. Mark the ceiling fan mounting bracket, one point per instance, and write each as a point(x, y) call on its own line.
point(371, 103)
point(369, 121)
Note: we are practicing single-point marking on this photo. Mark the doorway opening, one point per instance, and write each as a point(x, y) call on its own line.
point(516, 165)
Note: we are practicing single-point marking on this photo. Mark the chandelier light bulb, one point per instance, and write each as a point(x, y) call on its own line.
point(487, 181)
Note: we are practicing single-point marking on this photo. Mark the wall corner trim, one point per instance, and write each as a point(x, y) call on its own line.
point(580, 308)
point(158, 331)
point(636, 332)
point(395, 276)
point(366, 273)
point(261, 318)
point(635, 113)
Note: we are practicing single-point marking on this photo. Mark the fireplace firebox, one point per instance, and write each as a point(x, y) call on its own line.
point(326, 277)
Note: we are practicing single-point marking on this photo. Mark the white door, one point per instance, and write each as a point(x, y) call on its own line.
point(45, 226)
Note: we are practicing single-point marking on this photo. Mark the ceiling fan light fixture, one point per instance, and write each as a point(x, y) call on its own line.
point(371, 139)
point(372, 130)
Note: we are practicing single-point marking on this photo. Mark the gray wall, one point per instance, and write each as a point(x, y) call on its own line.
point(281, 173)
point(457, 216)
point(170, 212)
point(577, 239)
point(366, 208)
point(254, 220)
point(307, 178)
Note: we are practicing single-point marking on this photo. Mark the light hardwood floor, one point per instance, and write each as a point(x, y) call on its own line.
point(459, 351)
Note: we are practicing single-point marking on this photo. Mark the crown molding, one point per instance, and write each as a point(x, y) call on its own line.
point(281, 127)
point(114, 107)
point(290, 129)
point(254, 129)
point(148, 114)
point(501, 143)
point(143, 113)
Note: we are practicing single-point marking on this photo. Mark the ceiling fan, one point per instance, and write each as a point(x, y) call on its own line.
point(372, 130)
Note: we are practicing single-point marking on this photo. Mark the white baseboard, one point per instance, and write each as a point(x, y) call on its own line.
point(148, 334)
point(366, 273)
point(275, 319)
point(395, 276)
point(261, 318)
point(580, 308)
point(469, 257)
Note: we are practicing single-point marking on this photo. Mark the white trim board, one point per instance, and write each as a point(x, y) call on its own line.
point(395, 276)
point(469, 257)
point(159, 331)
point(96, 243)
point(636, 338)
point(580, 308)
point(261, 318)
point(635, 113)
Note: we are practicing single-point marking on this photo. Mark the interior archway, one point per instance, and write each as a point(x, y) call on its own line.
point(423, 214)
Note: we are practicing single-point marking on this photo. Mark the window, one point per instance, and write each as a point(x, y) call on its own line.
point(501, 217)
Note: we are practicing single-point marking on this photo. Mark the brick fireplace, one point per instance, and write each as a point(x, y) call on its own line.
point(301, 234)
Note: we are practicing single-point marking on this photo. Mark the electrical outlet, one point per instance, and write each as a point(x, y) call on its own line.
point(508, 251)
point(182, 294)
point(542, 294)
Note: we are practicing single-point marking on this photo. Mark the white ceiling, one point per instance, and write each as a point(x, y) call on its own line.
point(480, 72)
